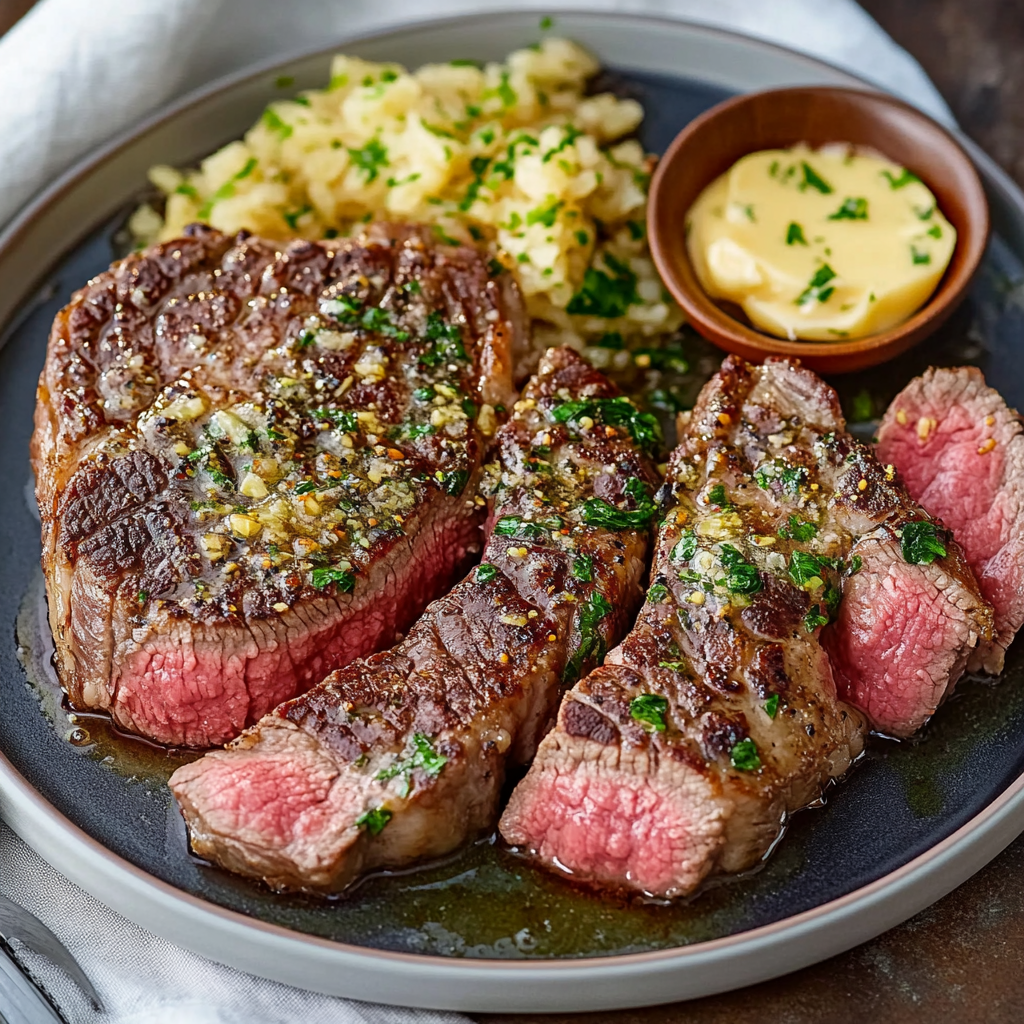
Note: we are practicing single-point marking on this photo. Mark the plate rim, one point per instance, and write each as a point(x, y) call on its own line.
point(95, 868)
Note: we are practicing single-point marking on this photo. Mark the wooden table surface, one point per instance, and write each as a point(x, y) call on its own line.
point(962, 960)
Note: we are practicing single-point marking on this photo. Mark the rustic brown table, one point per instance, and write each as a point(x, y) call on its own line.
point(961, 961)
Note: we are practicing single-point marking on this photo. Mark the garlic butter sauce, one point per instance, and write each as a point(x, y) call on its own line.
point(821, 245)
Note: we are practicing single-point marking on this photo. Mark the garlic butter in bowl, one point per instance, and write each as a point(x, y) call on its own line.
point(840, 226)
point(819, 245)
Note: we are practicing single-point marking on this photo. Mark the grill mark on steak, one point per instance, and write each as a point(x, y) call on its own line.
point(704, 773)
point(401, 757)
point(255, 463)
point(960, 452)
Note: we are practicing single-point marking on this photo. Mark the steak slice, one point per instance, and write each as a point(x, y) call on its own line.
point(719, 715)
point(402, 757)
point(960, 452)
point(255, 463)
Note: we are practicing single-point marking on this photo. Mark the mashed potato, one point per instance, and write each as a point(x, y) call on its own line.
point(510, 156)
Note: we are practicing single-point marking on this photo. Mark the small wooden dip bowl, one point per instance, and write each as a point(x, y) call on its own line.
point(709, 145)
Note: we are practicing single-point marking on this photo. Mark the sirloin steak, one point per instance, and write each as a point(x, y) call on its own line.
point(255, 462)
point(960, 452)
point(401, 757)
point(719, 715)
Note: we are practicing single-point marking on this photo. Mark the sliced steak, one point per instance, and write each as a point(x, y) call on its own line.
point(719, 715)
point(960, 452)
point(401, 757)
point(255, 464)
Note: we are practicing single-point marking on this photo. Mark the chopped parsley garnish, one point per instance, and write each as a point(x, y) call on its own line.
point(813, 180)
point(227, 190)
point(614, 412)
point(816, 290)
point(855, 563)
point(414, 431)
point(343, 419)
point(343, 307)
point(917, 256)
point(273, 121)
point(305, 487)
point(495, 267)
point(374, 821)
point(686, 547)
point(583, 568)
point(771, 705)
point(407, 180)
point(606, 295)
point(425, 394)
point(795, 234)
point(478, 165)
point(636, 229)
point(806, 569)
point(545, 214)
point(920, 543)
point(592, 644)
point(612, 340)
point(649, 709)
point(142, 597)
point(790, 478)
point(668, 358)
point(741, 576)
point(516, 526)
point(862, 407)
point(598, 512)
point(423, 756)
point(657, 593)
point(744, 755)
point(379, 320)
point(717, 496)
point(446, 341)
point(370, 159)
point(934, 231)
point(905, 178)
point(814, 618)
point(546, 22)
point(797, 530)
point(851, 209)
point(454, 482)
point(326, 575)
point(486, 572)
point(675, 666)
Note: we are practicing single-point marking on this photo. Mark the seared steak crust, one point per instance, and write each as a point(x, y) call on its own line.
point(401, 757)
point(960, 452)
point(718, 715)
point(254, 464)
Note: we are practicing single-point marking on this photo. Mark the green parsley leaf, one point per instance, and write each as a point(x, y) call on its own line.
point(142, 597)
point(851, 209)
point(606, 295)
point(686, 547)
point(813, 180)
point(598, 512)
point(744, 755)
point(797, 530)
point(273, 121)
point(446, 341)
point(614, 412)
point(920, 543)
point(291, 217)
point(305, 487)
point(795, 234)
point(486, 572)
point(805, 568)
point(612, 340)
point(592, 644)
point(546, 22)
point(370, 159)
point(374, 821)
point(816, 290)
point(814, 618)
point(649, 709)
point(717, 496)
point(454, 482)
point(862, 407)
point(771, 705)
point(742, 577)
point(516, 526)
point(343, 419)
point(905, 178)
point(583, 568)
point(414, 431)
point(545, 214)
point(657, 593)
point(917, 256)
point(422, 756)
point(326, 575)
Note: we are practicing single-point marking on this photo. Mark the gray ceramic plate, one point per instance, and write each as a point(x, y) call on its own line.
point(484, 931)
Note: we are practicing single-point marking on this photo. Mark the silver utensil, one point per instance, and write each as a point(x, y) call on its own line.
point(21, 999)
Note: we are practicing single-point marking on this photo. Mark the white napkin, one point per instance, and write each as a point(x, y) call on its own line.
point(75, 72)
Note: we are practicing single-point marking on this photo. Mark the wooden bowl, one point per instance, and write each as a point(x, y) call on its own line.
point(709, 145)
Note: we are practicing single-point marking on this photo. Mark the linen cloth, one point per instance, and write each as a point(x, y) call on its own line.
point(75, 72)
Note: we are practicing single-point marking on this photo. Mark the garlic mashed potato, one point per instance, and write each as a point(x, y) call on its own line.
point(514, 157)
